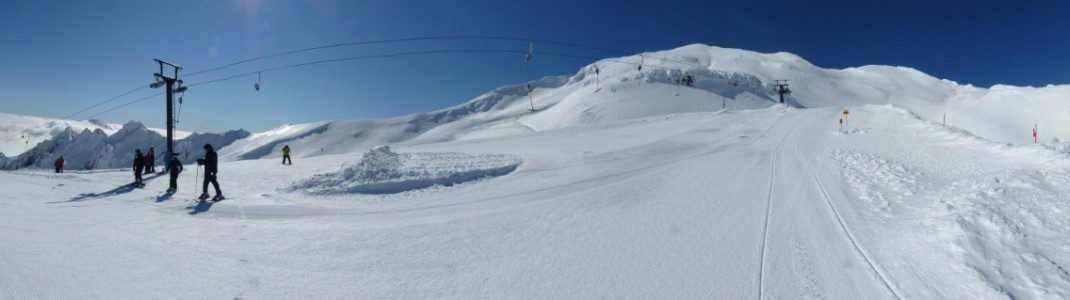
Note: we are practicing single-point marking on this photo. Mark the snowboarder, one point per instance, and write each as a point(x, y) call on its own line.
point(175, 168)
point(150, 161)
point(211, 167)
point(139, 166)
point(286, 155)
point(59, 165)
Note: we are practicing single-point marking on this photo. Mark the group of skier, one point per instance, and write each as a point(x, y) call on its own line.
point(146, 164)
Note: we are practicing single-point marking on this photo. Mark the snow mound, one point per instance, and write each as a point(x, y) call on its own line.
point(382, 171)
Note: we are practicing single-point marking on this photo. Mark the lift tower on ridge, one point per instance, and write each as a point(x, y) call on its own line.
point(781, 88)
point(162, 80)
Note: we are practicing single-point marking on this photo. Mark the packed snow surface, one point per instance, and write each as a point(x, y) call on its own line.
point(620, 186)
point(777, 203)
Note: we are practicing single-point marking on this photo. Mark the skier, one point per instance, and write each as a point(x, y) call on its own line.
point(139, 166)
point(211, 167)
point(175, 168)
point(59, 165)
point(150, 161)
point(286, 155)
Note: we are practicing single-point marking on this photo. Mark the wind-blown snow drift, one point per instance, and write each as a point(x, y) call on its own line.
point(381, 171)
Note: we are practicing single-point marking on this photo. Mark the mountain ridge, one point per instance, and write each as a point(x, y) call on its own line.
point(649, 84)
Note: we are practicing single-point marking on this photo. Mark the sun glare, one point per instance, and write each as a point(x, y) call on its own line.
point(248, 7)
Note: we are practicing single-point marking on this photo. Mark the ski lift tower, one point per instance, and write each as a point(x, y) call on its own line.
point(162, 80)
point(781, 88)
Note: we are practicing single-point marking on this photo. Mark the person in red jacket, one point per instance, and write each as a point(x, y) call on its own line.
point(150, 161)
point(59, 165)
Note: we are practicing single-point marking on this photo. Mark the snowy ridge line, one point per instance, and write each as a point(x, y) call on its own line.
point(768, 204)
point(843, 225)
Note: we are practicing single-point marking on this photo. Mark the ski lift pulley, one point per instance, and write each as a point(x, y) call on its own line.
point(531, 46)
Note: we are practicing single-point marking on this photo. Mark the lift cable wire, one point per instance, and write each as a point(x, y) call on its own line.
point(125, 105)
point(360, 57)
point(105, 101)
point(500, 38)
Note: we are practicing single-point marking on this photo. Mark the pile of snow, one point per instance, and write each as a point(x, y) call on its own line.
point(382, 171)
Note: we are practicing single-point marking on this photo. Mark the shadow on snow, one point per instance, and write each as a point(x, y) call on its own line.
point(123, 189)
point(114, 192)
point(202, 206)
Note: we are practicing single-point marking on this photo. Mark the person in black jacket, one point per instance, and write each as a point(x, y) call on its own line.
point(150, 161)
point(139, 165)
point(211, 167)
point(175, 168)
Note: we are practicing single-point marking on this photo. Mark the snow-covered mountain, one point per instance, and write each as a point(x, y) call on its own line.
point(615, 89)
point(21, 133)
point(89, 150)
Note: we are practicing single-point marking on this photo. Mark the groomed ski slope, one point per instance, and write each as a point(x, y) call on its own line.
point(770, 203)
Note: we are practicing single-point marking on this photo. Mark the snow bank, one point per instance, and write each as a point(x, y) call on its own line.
point(382, 171)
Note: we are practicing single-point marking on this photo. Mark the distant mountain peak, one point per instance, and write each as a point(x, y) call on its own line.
point(99, 123)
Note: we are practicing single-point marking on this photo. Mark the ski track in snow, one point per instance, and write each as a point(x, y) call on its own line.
point(843, 225)
point(996, 214)
point(768, 207)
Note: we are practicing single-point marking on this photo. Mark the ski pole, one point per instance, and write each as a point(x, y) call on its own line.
point(195, 179)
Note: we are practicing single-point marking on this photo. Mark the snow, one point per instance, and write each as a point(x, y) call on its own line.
point(628, 191)
point(381, 171)
point(725, 78)
point(21, 133)
point(90, 150)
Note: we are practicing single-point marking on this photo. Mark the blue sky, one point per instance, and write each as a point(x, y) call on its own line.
point(60, 57)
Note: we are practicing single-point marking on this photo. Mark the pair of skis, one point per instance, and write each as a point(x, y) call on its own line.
point(197, 201)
